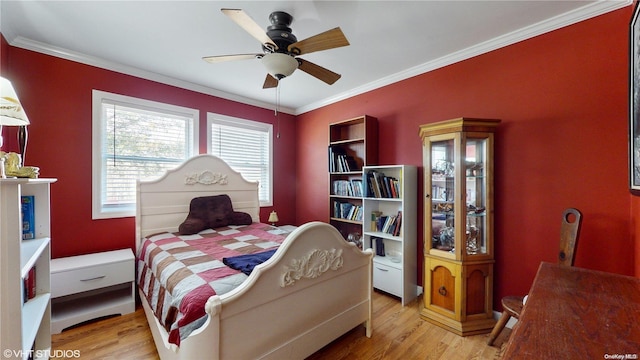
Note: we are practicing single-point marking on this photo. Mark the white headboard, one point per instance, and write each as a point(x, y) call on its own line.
point(163, 204)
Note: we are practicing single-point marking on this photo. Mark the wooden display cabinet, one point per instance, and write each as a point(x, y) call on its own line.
point(458, 233)
point(352, 145)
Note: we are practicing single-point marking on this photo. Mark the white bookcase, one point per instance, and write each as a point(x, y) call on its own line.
point(395, 263)
point(25, 326)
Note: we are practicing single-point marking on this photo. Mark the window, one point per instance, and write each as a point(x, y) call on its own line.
point(135, 139)
point(246, 146)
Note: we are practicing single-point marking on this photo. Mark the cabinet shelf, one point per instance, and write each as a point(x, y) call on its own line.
point(337, 173)
point(345, 197)
point(383, 199)
point(383, 235)
point(448, 254)
point(74, 309)
point(347, 141)
point(30, 252)
point(347, 221)
point(33, 312)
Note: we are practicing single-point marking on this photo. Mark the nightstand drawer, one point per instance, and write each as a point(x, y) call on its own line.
point(89, 272)
point(387, 279)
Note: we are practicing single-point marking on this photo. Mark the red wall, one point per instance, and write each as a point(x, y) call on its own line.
point(56, 94)
point(3, 55)
point(562, 98)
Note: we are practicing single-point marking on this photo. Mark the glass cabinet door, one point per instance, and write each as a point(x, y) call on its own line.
point(459, 197)
point(476, 197)
point(443, 195)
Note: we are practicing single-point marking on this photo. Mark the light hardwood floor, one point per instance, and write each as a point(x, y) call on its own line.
point(398, 333)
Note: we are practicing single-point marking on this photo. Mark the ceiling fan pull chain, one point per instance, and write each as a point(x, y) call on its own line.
point(277, 113)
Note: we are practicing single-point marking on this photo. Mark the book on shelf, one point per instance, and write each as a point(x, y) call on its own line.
point(388, 224)
point(339, 161)
point(379, 246)
point(29, 285)
point(372, 188)
point(347, 210)
point(28, 217)
point(398, 224)
point(375, 215)
point(347, 187)
point(342, 188)
point(334, 151)
point(381, 186)
point(356, 185)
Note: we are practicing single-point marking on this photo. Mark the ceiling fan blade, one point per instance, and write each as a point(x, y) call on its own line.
point(222, 58)
point(270, 82)
point(317, 71)
point(249, 25)
point(327, 40)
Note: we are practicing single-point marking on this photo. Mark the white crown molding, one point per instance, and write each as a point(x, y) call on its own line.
point(548, 25)
point(59, 52)
point(586, 12)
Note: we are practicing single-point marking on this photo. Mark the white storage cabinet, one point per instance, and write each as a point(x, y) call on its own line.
point(87, 287)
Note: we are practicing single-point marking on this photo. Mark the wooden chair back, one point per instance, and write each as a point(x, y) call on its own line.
point(569, 232)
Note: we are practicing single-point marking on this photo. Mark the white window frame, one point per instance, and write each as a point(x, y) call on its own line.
point(213, 118)
point(99, 210)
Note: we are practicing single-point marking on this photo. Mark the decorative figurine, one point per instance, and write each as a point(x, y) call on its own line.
point(14, 168)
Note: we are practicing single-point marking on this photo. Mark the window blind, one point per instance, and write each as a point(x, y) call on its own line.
point(246, 147)
point(140, 143)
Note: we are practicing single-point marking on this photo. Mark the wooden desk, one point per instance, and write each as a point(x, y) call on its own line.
point(575, 313)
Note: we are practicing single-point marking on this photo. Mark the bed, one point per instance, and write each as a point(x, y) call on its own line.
point(314, 288)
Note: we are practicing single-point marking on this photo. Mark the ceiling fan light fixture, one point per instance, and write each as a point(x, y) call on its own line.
point(279, 65)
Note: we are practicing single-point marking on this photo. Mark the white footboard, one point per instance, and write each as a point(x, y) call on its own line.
point(315, 288)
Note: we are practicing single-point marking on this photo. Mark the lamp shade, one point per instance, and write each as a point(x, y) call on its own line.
point(273, 217)
point(279, 65)
point(11, 111)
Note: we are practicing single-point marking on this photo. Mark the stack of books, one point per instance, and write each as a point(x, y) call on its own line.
point(381, 186)
point(388, 224)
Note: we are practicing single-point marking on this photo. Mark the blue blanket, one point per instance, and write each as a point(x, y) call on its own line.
point(246, 263)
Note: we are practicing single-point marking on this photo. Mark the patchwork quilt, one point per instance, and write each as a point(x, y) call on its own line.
point(178, 273)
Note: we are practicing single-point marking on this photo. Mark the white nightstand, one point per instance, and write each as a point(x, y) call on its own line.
point(90, 286)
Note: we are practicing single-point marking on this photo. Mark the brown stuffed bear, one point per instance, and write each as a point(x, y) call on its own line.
point(210, 212)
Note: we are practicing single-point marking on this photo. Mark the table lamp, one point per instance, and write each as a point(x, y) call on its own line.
point(11, 112)
point(273, 218)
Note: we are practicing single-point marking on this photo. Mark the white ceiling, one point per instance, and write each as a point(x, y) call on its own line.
point(390, 40)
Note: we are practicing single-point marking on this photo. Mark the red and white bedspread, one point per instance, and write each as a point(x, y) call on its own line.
point(178, 273)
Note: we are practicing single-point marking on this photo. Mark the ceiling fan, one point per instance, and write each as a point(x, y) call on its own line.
point(281, 48)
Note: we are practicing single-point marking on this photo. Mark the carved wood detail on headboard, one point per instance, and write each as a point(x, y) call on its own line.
point(206, 177)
